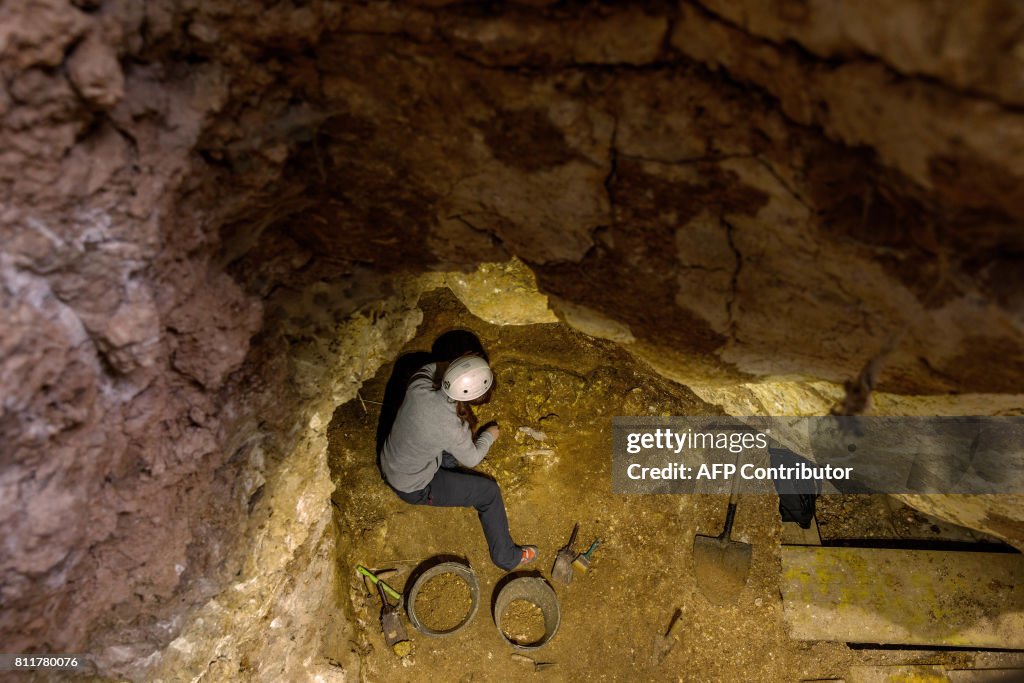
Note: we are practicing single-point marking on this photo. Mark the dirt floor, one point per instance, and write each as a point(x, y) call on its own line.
point(568, 386)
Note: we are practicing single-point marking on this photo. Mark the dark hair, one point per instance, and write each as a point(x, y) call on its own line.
point(464, 409)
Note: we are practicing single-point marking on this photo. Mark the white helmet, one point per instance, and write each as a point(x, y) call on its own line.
point(467, 378)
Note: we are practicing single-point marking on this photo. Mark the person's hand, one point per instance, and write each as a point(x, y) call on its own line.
point(493, 431)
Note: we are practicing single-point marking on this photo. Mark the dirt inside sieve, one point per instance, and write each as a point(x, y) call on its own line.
point(522, 622)
point(443, 602)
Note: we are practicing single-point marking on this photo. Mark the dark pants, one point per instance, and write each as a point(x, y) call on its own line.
point(458, 488)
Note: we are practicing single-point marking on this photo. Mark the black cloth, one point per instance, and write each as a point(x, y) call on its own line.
point(452, 487)
point(793, 506)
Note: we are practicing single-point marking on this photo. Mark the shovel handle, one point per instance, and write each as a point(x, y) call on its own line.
point(377, 582)
point(592, 548)
point(730, 516)
point(383, 596)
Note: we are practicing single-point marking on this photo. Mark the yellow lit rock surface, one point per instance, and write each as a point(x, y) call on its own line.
point(502, 294)
point(913, 597)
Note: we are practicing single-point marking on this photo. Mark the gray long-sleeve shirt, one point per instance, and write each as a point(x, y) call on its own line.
point(425, 426)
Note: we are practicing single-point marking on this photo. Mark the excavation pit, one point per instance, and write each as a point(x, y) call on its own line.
point(565, 386)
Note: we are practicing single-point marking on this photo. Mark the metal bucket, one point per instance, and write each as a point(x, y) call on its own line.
point(534, 590)
point(461, 570)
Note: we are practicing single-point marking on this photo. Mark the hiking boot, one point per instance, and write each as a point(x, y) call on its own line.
point(528, 556)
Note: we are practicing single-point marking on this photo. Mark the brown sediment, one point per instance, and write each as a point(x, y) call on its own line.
point(522, 622)
point(443, 602)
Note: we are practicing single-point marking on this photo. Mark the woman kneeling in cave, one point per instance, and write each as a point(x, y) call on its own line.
point(433, 434)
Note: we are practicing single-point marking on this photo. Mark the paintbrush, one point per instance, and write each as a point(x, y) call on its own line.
point(582, 561)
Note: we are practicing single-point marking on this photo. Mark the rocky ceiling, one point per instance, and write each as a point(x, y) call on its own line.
point(196, 198)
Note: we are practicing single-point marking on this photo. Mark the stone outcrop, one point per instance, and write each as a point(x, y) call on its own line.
point(213, 217)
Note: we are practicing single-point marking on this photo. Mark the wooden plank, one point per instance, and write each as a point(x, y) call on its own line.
point(904, 597)
point(986, 675)
point(999, 660)
point(926, 673)
point(897, 674)
point(919, 673)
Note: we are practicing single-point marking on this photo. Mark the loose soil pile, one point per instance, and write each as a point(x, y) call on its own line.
point(523, 622)
point(443, 602)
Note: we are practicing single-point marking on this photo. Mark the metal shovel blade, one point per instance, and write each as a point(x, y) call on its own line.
point(394, 629)
point(391, 624)
point(721, 565)
point(561, 571)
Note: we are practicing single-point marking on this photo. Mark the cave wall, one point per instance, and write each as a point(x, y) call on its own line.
point(196, 198)
point(131, 445)
point(657, 161)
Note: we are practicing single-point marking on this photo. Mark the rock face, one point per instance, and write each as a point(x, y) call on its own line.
point(213, 215)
